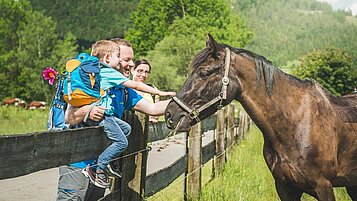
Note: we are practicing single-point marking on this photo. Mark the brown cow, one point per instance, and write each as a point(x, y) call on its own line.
point(36, 105)
point(10, 101)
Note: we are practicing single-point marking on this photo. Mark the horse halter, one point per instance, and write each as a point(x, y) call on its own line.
point(194, 113)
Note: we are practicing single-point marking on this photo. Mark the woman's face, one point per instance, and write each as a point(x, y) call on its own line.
point(141, 73)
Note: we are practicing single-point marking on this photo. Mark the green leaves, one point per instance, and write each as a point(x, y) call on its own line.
point(35, 45)
point(331, 67)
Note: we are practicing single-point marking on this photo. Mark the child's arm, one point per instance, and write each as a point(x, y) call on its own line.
point(146, 88)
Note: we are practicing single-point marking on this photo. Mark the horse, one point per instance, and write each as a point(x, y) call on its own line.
point(310, 136)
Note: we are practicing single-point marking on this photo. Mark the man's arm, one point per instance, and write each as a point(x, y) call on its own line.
point(76, 115)
point(154, 109)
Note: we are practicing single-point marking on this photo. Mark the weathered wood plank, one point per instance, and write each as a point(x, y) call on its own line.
point(208, 152)
point(162, 178)
point(24, 154)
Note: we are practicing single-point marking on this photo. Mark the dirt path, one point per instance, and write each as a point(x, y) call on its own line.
point(42, 185)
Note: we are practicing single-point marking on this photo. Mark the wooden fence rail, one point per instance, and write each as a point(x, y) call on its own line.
point(27, 153)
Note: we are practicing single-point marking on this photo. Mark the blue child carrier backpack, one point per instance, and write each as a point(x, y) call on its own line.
point(82, 80)
point(56, 117)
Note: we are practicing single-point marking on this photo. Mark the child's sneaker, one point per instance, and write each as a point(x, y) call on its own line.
point(113, 172)
point(89, 173)
point(101, 179)
point(98, 178)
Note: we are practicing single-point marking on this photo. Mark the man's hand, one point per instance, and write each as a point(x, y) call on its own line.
point(97, 113)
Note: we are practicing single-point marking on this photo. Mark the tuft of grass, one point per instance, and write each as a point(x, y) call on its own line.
point(14, 120)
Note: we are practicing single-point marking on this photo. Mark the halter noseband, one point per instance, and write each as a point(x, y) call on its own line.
point(194, 113)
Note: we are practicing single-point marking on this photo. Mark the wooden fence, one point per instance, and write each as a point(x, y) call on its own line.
point(28, 153)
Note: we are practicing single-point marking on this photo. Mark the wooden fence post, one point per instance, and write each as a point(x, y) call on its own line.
point(241, 125)
point(132, 183)
point(220, 158)
point(194, 161)
point(230, 128)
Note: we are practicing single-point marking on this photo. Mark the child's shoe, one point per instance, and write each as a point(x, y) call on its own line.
point(101, 179)
point(98, 178)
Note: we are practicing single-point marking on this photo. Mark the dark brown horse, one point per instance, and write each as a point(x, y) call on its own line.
point(310, 136)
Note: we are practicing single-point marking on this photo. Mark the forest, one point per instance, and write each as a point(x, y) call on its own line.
point(303, 37)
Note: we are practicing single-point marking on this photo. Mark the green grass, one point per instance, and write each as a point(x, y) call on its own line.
point(245, 177)
point(14, 120)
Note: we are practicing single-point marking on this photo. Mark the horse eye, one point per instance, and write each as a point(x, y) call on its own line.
point(208, 71)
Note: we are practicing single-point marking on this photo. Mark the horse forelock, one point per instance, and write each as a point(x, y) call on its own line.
point(201, 57)
point(264, 68)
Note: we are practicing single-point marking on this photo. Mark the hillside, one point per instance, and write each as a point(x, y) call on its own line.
point(284, 30)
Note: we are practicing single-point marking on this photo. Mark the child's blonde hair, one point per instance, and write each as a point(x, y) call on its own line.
point(103, 47)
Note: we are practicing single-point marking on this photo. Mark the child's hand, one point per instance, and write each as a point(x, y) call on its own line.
point(97, 113)
point(164, 93)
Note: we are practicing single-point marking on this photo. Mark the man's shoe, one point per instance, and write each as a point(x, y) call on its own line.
point(113, 172)
point(101, 179)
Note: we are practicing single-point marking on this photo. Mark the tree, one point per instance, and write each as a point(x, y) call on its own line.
point(172, 56)
point(12, 13)
point(88, 20)
point(37, 46)
point(152, 19)
point(331, 67)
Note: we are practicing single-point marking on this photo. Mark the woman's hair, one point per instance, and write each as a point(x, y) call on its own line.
point(141, 61)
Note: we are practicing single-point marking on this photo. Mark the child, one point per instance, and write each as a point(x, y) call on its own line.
point(116, 129)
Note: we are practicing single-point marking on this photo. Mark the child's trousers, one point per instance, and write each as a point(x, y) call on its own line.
point(117, 131)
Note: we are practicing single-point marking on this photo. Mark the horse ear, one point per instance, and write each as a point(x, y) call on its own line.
point(212, 44)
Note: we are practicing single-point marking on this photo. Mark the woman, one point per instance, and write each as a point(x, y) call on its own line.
point(141, 72)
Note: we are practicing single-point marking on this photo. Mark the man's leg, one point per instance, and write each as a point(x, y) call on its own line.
point(72, 184)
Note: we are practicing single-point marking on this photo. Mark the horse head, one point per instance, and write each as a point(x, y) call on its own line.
point(208, 88)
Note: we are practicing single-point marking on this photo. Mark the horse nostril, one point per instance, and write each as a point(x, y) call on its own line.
point(168, 118)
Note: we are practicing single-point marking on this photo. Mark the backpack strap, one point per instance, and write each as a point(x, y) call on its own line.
point(126, 96)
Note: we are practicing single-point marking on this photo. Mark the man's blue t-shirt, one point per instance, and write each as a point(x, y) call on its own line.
point(118, 103)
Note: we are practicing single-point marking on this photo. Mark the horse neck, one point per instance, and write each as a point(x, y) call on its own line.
point(270, 112)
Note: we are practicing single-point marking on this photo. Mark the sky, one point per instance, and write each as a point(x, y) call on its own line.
point(343, 5)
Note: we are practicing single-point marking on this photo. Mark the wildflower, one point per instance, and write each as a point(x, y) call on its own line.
point(50, 75)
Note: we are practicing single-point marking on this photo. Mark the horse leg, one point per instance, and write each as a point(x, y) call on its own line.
point(324, 191)
point(288, 192)
point(352, 192)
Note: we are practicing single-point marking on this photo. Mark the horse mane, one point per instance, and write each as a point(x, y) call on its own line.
point(264, 68)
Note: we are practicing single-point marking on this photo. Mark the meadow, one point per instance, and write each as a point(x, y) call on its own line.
point(245, 177)
point(14, 120)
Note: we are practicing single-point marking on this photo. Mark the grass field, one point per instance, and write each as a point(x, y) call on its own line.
point(14, 120)
point(246, 177)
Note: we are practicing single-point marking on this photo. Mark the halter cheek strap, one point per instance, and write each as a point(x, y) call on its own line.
point(194, 113)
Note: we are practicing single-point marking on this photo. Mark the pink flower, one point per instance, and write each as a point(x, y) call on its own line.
point(50, 75)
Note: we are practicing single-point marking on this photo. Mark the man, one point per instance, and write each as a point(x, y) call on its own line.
point(73, 185)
